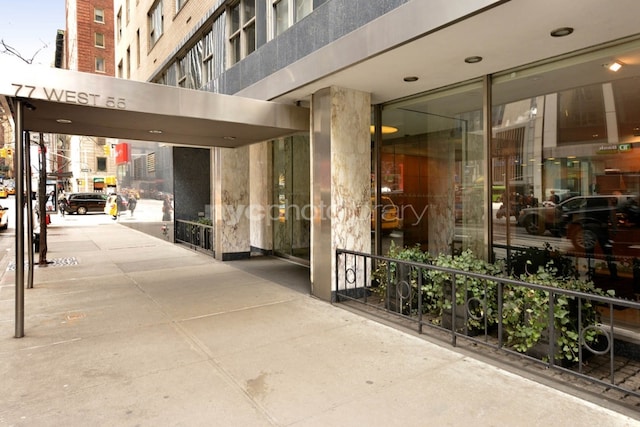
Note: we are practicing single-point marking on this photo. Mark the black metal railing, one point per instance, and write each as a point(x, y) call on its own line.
point(196, 235)
point(481, 308)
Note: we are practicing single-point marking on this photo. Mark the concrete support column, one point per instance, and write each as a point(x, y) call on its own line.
point(340, 180)
point(231, 195)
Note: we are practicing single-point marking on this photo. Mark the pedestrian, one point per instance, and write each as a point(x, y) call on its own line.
point(50, 202)
point(166, 209)
point(132, 203)
point(111, 207)
point(62, 204)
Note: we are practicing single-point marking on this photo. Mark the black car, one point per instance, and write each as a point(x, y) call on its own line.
point(572, 211)
point(82, 203)
point(605, 221)
point(548, 217)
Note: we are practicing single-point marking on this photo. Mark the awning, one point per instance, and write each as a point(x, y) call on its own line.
point(74, 103)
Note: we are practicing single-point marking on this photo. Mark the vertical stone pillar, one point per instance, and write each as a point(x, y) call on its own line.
point(261, 197)
point(340, 181)
point(231, 195)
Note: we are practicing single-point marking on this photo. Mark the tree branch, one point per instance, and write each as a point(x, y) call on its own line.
point(8, 50)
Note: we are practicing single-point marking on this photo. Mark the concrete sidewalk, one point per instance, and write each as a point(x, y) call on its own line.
point(125, 329)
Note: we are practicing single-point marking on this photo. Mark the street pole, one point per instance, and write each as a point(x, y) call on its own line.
point(20, 176)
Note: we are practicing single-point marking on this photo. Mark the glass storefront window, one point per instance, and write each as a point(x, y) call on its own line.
point(565, 153)
point(431, 169)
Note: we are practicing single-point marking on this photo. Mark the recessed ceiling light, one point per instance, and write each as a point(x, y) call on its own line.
point(385, 129)
point(410, 79)
point(561, 32)
point(156, 131)
point(64, 121)
point(473, 59)
point(614, 66)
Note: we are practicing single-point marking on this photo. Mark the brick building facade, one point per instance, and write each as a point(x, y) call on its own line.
point(90, 36)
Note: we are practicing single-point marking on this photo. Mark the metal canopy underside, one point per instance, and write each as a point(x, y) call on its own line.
point(74, 103)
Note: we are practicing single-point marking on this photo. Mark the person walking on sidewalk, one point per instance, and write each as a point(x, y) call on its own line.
point(62, 204)
point(111, 207)
point(132, 203)
point(166, 209)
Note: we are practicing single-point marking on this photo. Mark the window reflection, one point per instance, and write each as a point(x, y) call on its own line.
point(567, 138)
point(562, 167)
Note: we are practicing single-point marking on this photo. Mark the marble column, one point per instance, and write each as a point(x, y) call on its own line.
point(232, 211)
point(340, 181)
point(261, 197)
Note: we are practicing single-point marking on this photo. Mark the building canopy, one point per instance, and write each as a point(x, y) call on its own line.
point(75, 103)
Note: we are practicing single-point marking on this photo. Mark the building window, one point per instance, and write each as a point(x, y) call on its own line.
point(207, 57)
point(127, 11)
point(120, 69)
point(128, 75)
point(101, 163)
point(98, 15)
point(138, 48)
point(242, 30)
point(179, 4)
point(119, 24)
point(100, 65)
point(99, 39)
point(285, 13)
point(156, 23)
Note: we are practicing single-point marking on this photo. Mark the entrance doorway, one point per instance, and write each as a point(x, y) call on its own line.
point(291, 190)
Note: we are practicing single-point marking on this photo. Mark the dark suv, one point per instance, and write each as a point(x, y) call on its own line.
point(574, 211)
point(604, 220)
point(81, 203)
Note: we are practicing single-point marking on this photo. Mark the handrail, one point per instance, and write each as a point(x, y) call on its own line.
point(196, 235)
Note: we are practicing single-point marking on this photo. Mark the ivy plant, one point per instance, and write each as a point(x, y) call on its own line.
point(526, 314)
point(477, 296)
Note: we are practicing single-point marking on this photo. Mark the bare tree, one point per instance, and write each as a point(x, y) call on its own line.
point(9, 50)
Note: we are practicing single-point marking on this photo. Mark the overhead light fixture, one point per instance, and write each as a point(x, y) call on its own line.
point(385, 129)
point(614, 66)
point(410, 79)
point(64, 121)
point(473, 59)
point(229, 138)
point(155, 131)
point(561, 32)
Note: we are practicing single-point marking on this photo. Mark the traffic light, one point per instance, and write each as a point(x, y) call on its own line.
point(3, 152)
point(107, 150)
point(9, 152)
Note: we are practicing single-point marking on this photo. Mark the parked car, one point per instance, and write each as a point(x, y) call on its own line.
point(389, 215)
point(549, 216)
point(4, 218)
point(82, 203)
point(613, 221)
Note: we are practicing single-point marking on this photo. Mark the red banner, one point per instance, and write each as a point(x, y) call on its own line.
point(122, 153)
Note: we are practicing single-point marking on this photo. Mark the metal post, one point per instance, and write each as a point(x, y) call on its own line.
point(29, 209)
point(19, 168)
